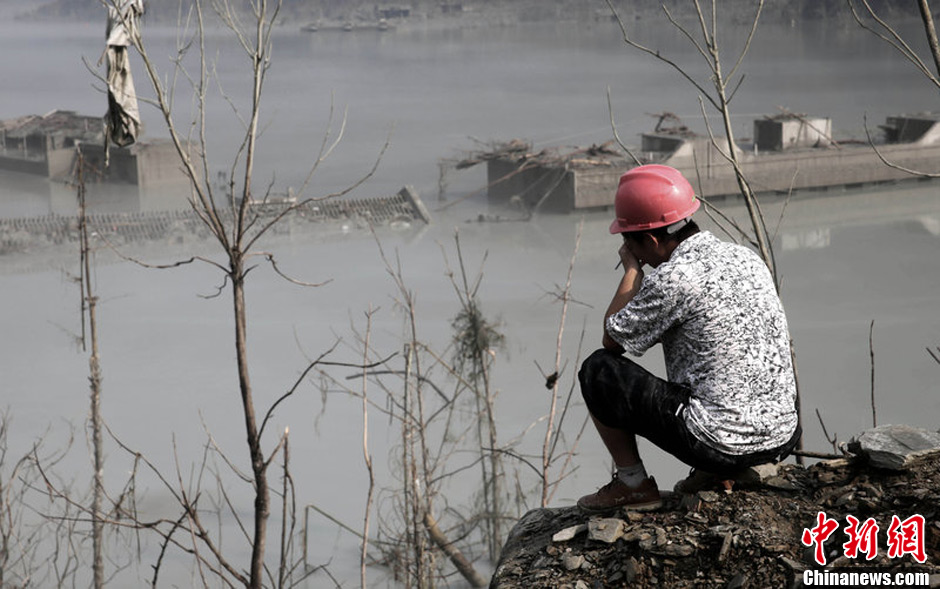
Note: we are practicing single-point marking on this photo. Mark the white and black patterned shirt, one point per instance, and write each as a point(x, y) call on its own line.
point(714, 308)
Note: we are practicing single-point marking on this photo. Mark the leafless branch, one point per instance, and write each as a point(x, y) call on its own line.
point(657, 55)
point(613, 126)
point(934, 355)
point(786, 203)
point(270, 258)
point(892, 38)
point(103, 237)
point(747, 44)
point(221, 454)
point(164, 544)
point(820, 455)
point(460, 561)
point(326, 147)
point(890, 164)
point(832, 440)
point(366, 456)
point(550, 433)
point(871, 351)
point(294, 387)
point(930, 31)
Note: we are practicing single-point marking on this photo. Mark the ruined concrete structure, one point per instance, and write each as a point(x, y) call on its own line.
point(788, 152)
point(47, 145)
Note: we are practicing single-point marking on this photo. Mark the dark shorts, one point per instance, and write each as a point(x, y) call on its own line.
point(622, 394)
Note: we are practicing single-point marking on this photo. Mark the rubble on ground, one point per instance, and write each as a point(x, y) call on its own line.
point(751, 537)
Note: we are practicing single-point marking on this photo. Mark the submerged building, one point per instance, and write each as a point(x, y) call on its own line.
point(48, 145)
point(787, 152)
point(145, 176)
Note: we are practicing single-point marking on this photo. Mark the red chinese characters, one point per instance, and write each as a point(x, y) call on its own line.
point(907, 537)
point(862, 538)
point(819, 534)
point(903, 537)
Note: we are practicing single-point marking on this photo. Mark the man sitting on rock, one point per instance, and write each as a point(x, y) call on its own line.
point(730, 401)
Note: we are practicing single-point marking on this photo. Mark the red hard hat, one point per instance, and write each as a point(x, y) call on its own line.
point(652, 196)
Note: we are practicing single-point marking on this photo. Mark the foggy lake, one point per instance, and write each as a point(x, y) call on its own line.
point(848, 257)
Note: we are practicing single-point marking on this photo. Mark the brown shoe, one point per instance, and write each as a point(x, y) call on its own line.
point(699, 480)
point(616, 494)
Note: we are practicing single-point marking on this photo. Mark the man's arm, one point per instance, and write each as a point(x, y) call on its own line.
point(626, 290)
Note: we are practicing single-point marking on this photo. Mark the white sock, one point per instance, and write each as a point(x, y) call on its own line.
point(632, 476)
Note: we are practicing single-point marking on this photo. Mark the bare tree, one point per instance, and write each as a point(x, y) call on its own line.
point(436, 399)
point(18, 547)
point(89, 312)
point(553, 421)
point(868, 19)
point(366, 457)
point(40, 546)
point(234, 219)
point(476, 341)
point(705, 40)
point(884, 31)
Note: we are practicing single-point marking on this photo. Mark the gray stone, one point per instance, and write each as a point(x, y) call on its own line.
point(725, 547)
point(708, 496)
point(780, 483)
point(638, 516)
point(758, 474)
point(895, 447)
point(569, 533)
point(629, 570)
point(661, 538)
point(571, 561)
point(675, 550)
point(607, 530)
point(796, 568)
point(632, 534)
point(542, 562)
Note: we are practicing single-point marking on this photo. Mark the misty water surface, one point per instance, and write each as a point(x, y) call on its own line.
point(847, 257)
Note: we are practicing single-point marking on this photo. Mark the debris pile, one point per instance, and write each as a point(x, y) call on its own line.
point(522, 152)
point(753, 536)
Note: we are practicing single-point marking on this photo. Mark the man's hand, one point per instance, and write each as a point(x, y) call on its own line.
point(628, 259)
point(626, 290)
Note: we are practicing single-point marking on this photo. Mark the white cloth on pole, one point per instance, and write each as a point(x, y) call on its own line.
point(122, 121)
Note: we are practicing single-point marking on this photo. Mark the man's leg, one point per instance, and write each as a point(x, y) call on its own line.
point(620, 443)
point(631, 487)
point(625, 400)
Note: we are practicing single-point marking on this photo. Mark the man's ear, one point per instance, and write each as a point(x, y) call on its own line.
point(651, 240)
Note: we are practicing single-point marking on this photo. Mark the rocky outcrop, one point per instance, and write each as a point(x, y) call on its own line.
point(895, 447)
point(751, 537)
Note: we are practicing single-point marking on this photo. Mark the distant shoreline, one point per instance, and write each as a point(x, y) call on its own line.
point(471, 13)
